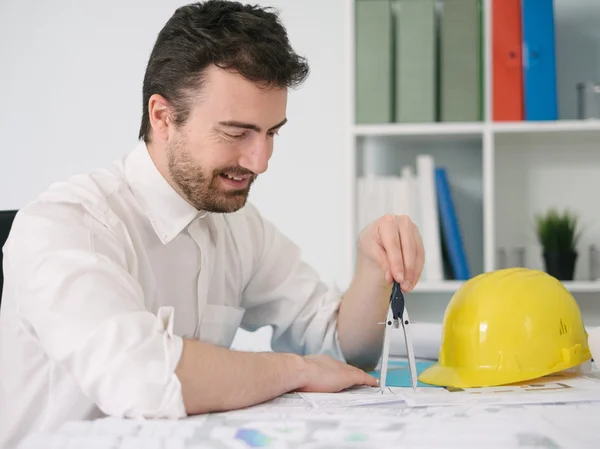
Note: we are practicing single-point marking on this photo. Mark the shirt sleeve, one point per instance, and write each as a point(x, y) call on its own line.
point(284, 292)
point(78, 300)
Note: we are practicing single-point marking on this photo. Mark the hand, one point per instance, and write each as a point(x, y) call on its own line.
point(324, 374)
point(393, 245)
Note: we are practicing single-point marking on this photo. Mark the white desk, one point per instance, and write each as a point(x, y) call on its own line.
point(292, 422)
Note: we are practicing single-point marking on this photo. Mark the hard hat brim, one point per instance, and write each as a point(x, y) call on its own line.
point(457, 377)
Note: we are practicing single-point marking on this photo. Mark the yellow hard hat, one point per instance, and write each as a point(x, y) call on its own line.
point(508, 326)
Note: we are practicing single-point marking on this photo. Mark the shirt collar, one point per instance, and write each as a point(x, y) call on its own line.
point(168, 212)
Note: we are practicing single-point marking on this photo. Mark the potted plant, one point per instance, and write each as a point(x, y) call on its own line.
point(558, 233)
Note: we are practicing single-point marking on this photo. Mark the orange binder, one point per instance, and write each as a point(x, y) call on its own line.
point(507, 70)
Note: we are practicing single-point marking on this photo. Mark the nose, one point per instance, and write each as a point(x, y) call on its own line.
point(256, 157)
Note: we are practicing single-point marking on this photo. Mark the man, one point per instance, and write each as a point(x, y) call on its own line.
point(125, 286)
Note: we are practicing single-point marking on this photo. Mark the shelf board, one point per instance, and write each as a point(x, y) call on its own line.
point(475, 129)
point(421, 129)
point(583, 286)
point(546, 126)
point(437, 286)
point(452, 286)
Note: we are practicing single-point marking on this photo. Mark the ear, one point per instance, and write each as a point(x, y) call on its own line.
point(159, 114)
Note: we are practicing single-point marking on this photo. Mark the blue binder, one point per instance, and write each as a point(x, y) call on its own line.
point(450, 227)
point(539, 60)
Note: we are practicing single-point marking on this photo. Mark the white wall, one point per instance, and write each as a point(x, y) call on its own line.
point(578, 49)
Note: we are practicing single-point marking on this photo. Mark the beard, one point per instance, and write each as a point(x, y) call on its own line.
point(205, 191)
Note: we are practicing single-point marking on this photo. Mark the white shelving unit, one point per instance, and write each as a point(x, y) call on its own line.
point(501, 173)
point(452, 286)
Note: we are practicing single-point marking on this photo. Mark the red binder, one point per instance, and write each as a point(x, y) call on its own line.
point(507, 70)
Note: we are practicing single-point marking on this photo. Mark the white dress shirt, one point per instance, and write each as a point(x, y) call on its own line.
point(106, 274)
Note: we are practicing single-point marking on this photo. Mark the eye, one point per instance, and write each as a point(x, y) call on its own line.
point(273, 133)
point(234, 136)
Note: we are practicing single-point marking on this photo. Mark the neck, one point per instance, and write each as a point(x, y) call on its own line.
point(158, 154)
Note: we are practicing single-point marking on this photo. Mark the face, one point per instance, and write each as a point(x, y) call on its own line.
point(226, 142)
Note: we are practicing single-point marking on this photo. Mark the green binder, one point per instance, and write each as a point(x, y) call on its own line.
point(460, 61)
point(415, 61)
point(374, 99)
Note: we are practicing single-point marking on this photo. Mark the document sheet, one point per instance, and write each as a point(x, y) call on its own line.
point(555, 412)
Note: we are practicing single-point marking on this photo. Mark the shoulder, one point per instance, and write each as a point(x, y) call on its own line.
point(89, 191)
point(67, 211)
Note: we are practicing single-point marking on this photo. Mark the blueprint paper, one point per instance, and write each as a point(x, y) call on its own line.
point(564, 387)
point(353, 397)
point(560, 411)
point(567, 426)
point(557, 388)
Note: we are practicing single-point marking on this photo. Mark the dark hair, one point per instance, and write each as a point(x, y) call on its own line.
point(247, 39)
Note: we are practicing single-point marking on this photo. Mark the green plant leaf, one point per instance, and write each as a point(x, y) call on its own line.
point(558, 231)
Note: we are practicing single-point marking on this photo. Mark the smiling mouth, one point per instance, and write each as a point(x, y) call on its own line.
point(235, 177)
point(236, 181)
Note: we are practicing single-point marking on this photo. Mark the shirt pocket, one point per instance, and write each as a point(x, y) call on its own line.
point(219, 324)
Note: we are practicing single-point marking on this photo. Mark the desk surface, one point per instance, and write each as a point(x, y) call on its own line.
point(293, 422)
point(561, 411)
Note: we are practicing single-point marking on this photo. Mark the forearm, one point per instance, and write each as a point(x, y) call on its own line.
point(363, 306)
point(218, 379)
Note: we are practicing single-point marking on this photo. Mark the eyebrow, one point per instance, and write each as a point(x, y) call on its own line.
point(236, 124)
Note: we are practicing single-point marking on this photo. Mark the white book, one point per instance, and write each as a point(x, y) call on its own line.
point(430, 230)
point(410, 182)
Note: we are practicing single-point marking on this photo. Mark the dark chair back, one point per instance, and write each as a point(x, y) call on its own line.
point(6, 220)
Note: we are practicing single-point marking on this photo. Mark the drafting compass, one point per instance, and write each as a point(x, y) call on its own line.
point(396, 315)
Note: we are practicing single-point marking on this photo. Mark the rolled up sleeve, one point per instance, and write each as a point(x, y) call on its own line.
point(79, 300)
point(286, 293)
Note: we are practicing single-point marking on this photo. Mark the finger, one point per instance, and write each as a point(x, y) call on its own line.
point(383, 263)
point(355, 379)
point(409, 249)
point(364, 378)
point(361, 377)
point(390, 239)
point(420, 257)
point(369, 380)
